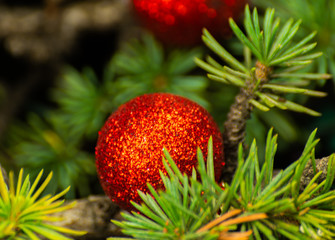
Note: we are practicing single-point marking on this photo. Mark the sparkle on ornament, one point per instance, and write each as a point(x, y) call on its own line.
point(129, 149)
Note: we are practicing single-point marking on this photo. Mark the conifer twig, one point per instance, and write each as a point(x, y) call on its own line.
point(255, 203)
point(276, 58)
point(4, 174)
point(235, 125)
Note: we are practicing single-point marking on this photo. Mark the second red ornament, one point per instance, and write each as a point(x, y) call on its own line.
point(180, 22)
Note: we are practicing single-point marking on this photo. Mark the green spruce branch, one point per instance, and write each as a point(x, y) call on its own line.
point(256, 205)
point(49, 145)
point(142, 66)
point(56, 140)
point(24, 214)
point(316, 16)
point(270, 70)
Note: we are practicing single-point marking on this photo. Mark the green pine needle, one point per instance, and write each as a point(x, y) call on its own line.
point(49, 145)
point(24, 215)
point(277, 58)
point(141, 67)
point(255, 204)
point(316, 16)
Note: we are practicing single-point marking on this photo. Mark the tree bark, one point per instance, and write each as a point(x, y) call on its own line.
point(308, 173)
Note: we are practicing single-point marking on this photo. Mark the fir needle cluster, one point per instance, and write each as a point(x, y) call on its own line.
point(24, 213)
point(276, 69)
point(316, 16)
point(256, 205)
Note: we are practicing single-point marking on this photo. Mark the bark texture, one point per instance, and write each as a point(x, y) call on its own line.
point(238, 115)
point(93, 215)
point(308, 173)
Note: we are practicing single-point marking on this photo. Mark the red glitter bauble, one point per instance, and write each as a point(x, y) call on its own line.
point(129, 148)
point(180, 22)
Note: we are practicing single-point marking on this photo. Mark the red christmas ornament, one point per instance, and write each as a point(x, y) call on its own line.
point(129, 148)
point(180, 22)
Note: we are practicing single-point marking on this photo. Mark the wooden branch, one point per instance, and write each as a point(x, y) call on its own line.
point(308, 173)
point(238, 115)
point(93, 215)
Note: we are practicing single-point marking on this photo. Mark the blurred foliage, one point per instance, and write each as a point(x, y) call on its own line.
point(84, 101)
point(57, 140)
point(47, 144)
point(143, 68)
point(139, 67)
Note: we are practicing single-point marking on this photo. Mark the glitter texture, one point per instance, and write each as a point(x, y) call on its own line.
point(129, 148)
point(180, 22)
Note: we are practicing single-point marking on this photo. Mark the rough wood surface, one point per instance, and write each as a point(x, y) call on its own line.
point(93, 215)
point(238, 115)
point(308, 173)
point(234, 132)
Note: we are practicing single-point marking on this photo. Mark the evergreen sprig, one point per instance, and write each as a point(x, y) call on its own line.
point(292, 213)
point(48, 144)
point(84, 100)
point(24, 215)
point(142, 66)
point(56, 140)
point(316, 16)
point(183, 207)
point(277, 64)
point(256, 205)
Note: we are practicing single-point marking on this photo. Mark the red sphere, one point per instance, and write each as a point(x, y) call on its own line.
point(180, 22)
point(129, 148)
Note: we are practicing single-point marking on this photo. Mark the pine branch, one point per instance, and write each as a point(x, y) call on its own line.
point(25, 215)
point(256, 204)
point(276, 58)
point(316, 16)
point(93, 214)
point(4, 174)
point(235, 125)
